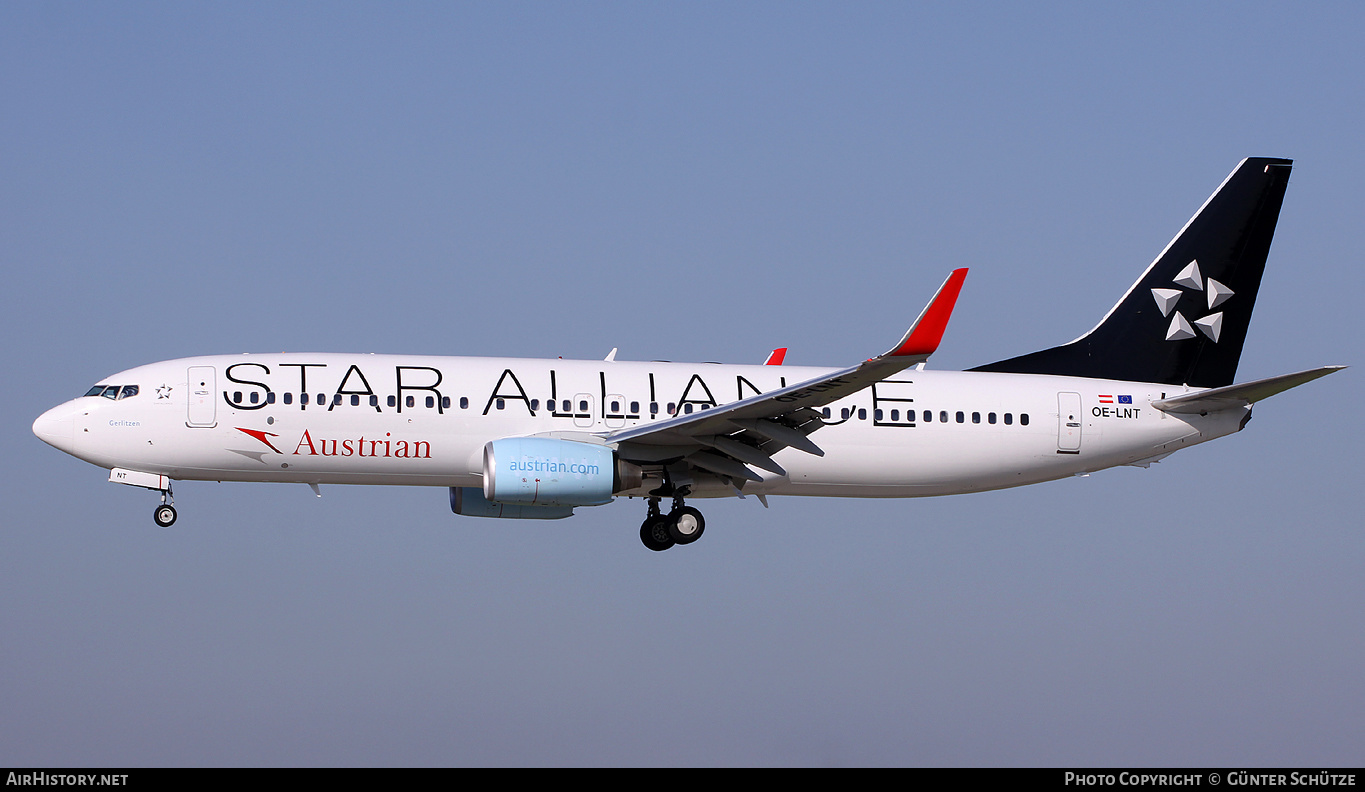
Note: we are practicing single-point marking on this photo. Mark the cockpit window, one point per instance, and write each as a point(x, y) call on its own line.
point(113, 391)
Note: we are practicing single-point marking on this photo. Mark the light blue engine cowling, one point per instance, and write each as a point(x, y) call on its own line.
point(548, 472)
point(470, 502)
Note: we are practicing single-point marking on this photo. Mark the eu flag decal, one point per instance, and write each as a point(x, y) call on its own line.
point(1125, 400)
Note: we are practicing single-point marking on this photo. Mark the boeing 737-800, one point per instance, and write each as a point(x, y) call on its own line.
point(522, 438)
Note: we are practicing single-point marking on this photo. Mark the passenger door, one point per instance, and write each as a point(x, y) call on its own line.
point(1068, 423)
point(202, 383)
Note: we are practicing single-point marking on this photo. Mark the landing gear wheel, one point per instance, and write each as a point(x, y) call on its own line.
point(685, 525)
point(654, 533)
point(164, 515)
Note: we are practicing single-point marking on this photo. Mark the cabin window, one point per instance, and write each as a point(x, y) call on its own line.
point(355, 399)
point(1009, 419)
point(322, 399)
point(895, 415)
point(270, 397)
point(412, 401)
point(943, 416)
point(634, 408)
point(535, 405)
point(392, 400)
point(976, 417)
point(582, 406)
point(255, 397)
point(303, 398)
point(500, 404)
point(616, 406)
point(288, 398)
point(876, 415)
point(928, 416)
point(431, 402)
point(843, 413)
point(961, 418)
point(336, 399)
point(687, 408)
point(825, 413)
point(464, 402)
point(653, 408)
point(990, 418)
point(862, 414)
point(374, 400)
point(128, 391)
point(1023, 419)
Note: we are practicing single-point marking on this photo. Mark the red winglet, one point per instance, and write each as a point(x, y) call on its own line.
point(776, 357)
point(923, 338)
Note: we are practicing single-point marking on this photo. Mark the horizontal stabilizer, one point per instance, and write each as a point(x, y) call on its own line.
point(1232, 396)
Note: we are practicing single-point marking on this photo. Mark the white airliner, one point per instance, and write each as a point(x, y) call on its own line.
point(522, 438)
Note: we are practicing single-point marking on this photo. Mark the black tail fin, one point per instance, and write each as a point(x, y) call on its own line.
point(1185, 320)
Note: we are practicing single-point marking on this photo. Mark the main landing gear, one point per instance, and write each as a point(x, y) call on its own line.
point(164, 515)
point(683, 525)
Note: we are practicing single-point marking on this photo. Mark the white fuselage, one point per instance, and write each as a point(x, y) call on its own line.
point(405, 420)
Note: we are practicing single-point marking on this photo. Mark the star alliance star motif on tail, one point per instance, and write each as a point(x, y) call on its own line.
point(1191, 279)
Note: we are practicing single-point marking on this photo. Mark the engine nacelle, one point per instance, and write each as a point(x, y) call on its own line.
point(545, 471)
point(470, 502)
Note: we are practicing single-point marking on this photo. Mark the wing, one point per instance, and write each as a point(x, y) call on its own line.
point(727, 439)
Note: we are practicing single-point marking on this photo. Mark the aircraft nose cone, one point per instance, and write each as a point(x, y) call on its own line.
point(57, 428)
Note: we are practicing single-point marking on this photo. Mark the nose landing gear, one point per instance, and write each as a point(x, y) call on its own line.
point(165, 515)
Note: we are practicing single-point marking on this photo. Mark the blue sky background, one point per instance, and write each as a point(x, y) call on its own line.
point(692, 181)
